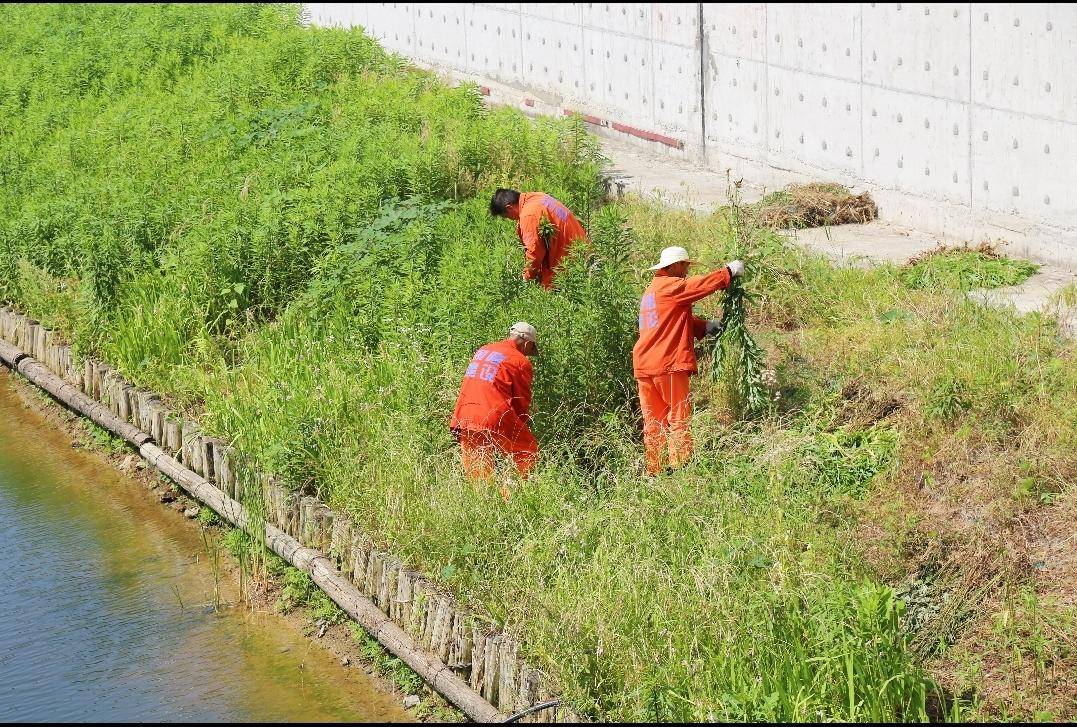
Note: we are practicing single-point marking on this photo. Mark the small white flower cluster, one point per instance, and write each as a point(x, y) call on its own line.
point(769, 377)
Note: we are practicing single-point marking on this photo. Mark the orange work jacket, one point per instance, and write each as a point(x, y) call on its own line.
point(667, 328)
point(496, 392)
point(543, 261)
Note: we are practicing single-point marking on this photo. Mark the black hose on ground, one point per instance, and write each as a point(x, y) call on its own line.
point(554, 703)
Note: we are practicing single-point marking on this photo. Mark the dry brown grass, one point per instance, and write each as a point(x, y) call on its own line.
point(1018, 658)
point(1002, 573)
point(813, 205)
point(977, 534)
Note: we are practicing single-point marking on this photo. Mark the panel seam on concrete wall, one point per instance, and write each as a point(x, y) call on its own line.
point(702, 35)
point(766, 83)
point(968, 116)
point(863, 151)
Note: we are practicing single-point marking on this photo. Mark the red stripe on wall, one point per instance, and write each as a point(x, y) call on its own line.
point(589, 119)
point(649, 135)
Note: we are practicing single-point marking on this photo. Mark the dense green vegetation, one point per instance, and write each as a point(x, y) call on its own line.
point(284, 230)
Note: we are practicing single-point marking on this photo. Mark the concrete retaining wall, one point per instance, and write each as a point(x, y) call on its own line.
point(960, 118)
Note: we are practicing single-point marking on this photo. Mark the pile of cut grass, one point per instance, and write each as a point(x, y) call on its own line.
point(965, 268)
point(813, 205)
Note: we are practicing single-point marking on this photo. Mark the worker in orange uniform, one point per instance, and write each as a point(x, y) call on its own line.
point(529, 209)
point(663, 357)
point(493, 409)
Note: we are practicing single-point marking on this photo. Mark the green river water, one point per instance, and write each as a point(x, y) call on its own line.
point(106, 609)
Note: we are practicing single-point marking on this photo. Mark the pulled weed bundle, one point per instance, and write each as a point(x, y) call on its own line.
point(736, 354)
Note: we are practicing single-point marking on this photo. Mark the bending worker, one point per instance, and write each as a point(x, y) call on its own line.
point(492, 411)
point(663, 357)
point(529, 209)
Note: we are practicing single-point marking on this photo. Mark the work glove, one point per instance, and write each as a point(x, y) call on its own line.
point(735, 268)
point(715, 327)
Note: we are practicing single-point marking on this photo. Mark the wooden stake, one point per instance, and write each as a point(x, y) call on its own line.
point(478, 656)
point(375, 565)
point(492, 669)
point(420, 591)
point(123, 401)
point(136, 409)
point(460, 653)
point(426, 637)
point(307, 526)
point(441, 638)
point(508, 684)
point(291, 501)
point(387, 583)
point(324, 518)
point(208, 471)
point(400, 609)
point(340, 540)
point(360, 552)
point(160, 415)
point(173, 435)
point(192, 447)
point(222, 466)
point(530, 682)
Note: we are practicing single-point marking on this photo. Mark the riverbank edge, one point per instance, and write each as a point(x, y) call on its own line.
point(460, 655)
point(259, 595)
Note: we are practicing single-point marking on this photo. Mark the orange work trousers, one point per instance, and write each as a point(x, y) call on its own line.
point(667, 410)
point(478, 447)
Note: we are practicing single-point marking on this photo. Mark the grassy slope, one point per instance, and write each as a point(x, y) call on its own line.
point(230, 225)
point(985, 407)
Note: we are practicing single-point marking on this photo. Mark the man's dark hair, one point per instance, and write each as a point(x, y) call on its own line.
point(502, 200)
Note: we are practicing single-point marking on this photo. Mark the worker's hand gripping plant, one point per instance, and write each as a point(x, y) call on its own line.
point(736, 356)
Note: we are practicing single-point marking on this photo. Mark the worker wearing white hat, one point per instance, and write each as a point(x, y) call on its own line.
point(670, 256)
point(664, 358)
point(525, 333)
point(493, 408)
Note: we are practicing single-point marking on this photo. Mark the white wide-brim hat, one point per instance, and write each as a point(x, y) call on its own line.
point(670, 256)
